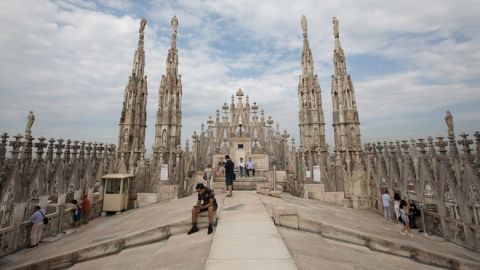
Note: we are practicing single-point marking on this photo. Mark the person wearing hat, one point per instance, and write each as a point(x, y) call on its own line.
point(206, 202)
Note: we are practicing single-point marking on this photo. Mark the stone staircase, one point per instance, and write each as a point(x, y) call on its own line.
point(249, 183)
point(241, 183)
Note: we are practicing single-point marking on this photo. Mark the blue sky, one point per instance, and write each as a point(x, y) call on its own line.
point(69, 61)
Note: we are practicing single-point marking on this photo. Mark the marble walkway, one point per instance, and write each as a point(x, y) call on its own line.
point(323, 237)
point(246, 237)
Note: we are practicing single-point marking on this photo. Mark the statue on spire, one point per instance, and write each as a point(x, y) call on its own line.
point(174, 23)
point(30, 120)
point(304, 23)
point(449, 122)
point(335, 27)
point(143, 23)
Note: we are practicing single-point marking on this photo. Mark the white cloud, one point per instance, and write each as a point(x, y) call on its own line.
point(69, 61)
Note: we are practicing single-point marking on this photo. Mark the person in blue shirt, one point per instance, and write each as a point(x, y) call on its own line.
point(37, 226)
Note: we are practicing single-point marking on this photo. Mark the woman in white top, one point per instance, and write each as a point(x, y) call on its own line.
point(396, 204)
point(241, 167)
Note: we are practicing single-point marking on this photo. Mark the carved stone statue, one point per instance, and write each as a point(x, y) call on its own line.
point(335, 26)
point(30, 120)
point(143, 23)
point(174, 23)
point(304, 23)
point(449, 122)
point(125, 136)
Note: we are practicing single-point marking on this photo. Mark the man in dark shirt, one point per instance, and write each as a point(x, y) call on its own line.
point(229, 175)
point(206, 202)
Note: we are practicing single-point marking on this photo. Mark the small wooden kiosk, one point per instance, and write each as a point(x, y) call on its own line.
point(115, 191)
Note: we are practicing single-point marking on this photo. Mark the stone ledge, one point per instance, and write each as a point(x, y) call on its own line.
point(110, 247)
point(372, 242)
point(286, 216)
point(335, 198)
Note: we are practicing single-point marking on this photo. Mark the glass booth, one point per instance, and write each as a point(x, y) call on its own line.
point(115, 191)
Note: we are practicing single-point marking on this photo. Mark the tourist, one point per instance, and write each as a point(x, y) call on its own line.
point(37, 226)
point(229, 175)
point(413, 213)
point(404, 218)
point(207, 175)
point(77, 213)
point(86, 209)
point(241, 167)
point(221, 168)
point(396, 204)
point(250, 166)
point(206, 202)
point(386, 205)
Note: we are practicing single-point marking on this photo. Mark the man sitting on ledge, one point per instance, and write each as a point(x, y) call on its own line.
point(250, 166)
point(206, 202)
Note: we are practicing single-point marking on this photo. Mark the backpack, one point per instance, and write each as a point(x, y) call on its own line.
point(45, 219)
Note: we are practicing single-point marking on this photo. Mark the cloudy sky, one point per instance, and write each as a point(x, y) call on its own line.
point(69, 62)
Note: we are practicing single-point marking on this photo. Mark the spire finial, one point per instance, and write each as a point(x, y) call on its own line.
point(335, 27)
point(304, 23)
point(143, 22)
point(174, 23)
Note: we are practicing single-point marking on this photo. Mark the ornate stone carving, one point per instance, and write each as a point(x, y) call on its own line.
point(174, 23)
point(335, 26)
point(30, 120)
point(449, 122)
point(304, 23)
point(143, 23)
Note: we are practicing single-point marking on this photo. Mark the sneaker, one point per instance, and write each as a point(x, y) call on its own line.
point(402, 233)
point(194, 229)
point(210, 229)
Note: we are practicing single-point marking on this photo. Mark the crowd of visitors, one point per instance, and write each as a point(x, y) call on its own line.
point(80, 213)
point(406, 212)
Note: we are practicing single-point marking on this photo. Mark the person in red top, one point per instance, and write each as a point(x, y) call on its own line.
point(86, 209)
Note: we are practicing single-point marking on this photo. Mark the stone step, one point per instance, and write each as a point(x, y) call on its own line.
point(248, 183)
point(258, 179)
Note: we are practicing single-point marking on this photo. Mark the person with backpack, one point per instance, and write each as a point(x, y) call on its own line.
point(229, 175)
point(38, 220)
